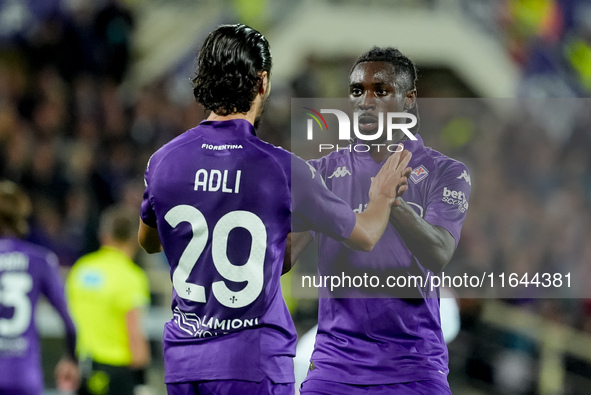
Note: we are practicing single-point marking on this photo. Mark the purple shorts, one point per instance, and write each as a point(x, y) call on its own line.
point(225, 387)
point(425, 387)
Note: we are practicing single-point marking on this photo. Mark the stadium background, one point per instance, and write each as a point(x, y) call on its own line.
point(89, 89)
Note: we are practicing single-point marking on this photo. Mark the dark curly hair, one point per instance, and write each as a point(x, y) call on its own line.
point(406, 72)
point(228, 66)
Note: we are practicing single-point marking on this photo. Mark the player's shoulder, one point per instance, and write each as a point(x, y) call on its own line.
point(80, 264)
point(109, 263)
point(173, 145)
point(442, 163)
point(133, 269)
point(102, 255)
point(99, 260)
point(271, 150)
point(35, 252)
point(286, 160)
point(139, 276)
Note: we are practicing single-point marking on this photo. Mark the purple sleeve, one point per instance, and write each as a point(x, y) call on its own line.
point(316, 208)
point(147, 213)
point(448, 199)
point(53, 289)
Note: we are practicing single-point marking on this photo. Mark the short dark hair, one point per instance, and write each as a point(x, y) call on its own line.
point(15, 209)
point(119, 223)
point(228, 66)
point(406, 72)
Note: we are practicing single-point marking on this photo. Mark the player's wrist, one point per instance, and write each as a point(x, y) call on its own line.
point(382, 199)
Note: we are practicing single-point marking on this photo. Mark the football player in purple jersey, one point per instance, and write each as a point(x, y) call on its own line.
point(371, 343)
point(220, 203)
point(27, 271)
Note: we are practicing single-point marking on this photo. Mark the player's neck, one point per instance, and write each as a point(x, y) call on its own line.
point(378, 150)
point(250, 116)
point(379, 155)
point(215, 117)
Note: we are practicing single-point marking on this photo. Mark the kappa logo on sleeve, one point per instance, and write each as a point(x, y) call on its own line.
point(419, 174)
point(312, 169)
point(466, 177)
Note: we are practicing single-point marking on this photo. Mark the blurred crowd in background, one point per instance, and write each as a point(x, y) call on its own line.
point(78, 138)
point(69, 132)
point(550, 40)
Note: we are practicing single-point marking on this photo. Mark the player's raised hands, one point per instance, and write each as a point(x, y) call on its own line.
point(392, 179)
point(403, 185)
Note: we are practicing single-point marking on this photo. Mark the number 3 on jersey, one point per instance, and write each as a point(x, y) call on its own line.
point(252, 271)
point(14, 288)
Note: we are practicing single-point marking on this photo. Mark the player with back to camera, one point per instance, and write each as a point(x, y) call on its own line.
point(390, 345)
point(108, 294)
point(220, 203)
point(28, 271)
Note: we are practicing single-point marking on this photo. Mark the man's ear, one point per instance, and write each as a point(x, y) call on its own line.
point(265, 85)
point(411, 99)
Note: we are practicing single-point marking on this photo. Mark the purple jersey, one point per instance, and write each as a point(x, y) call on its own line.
point(387, 340)
point(221, 200)
point(26, 271)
